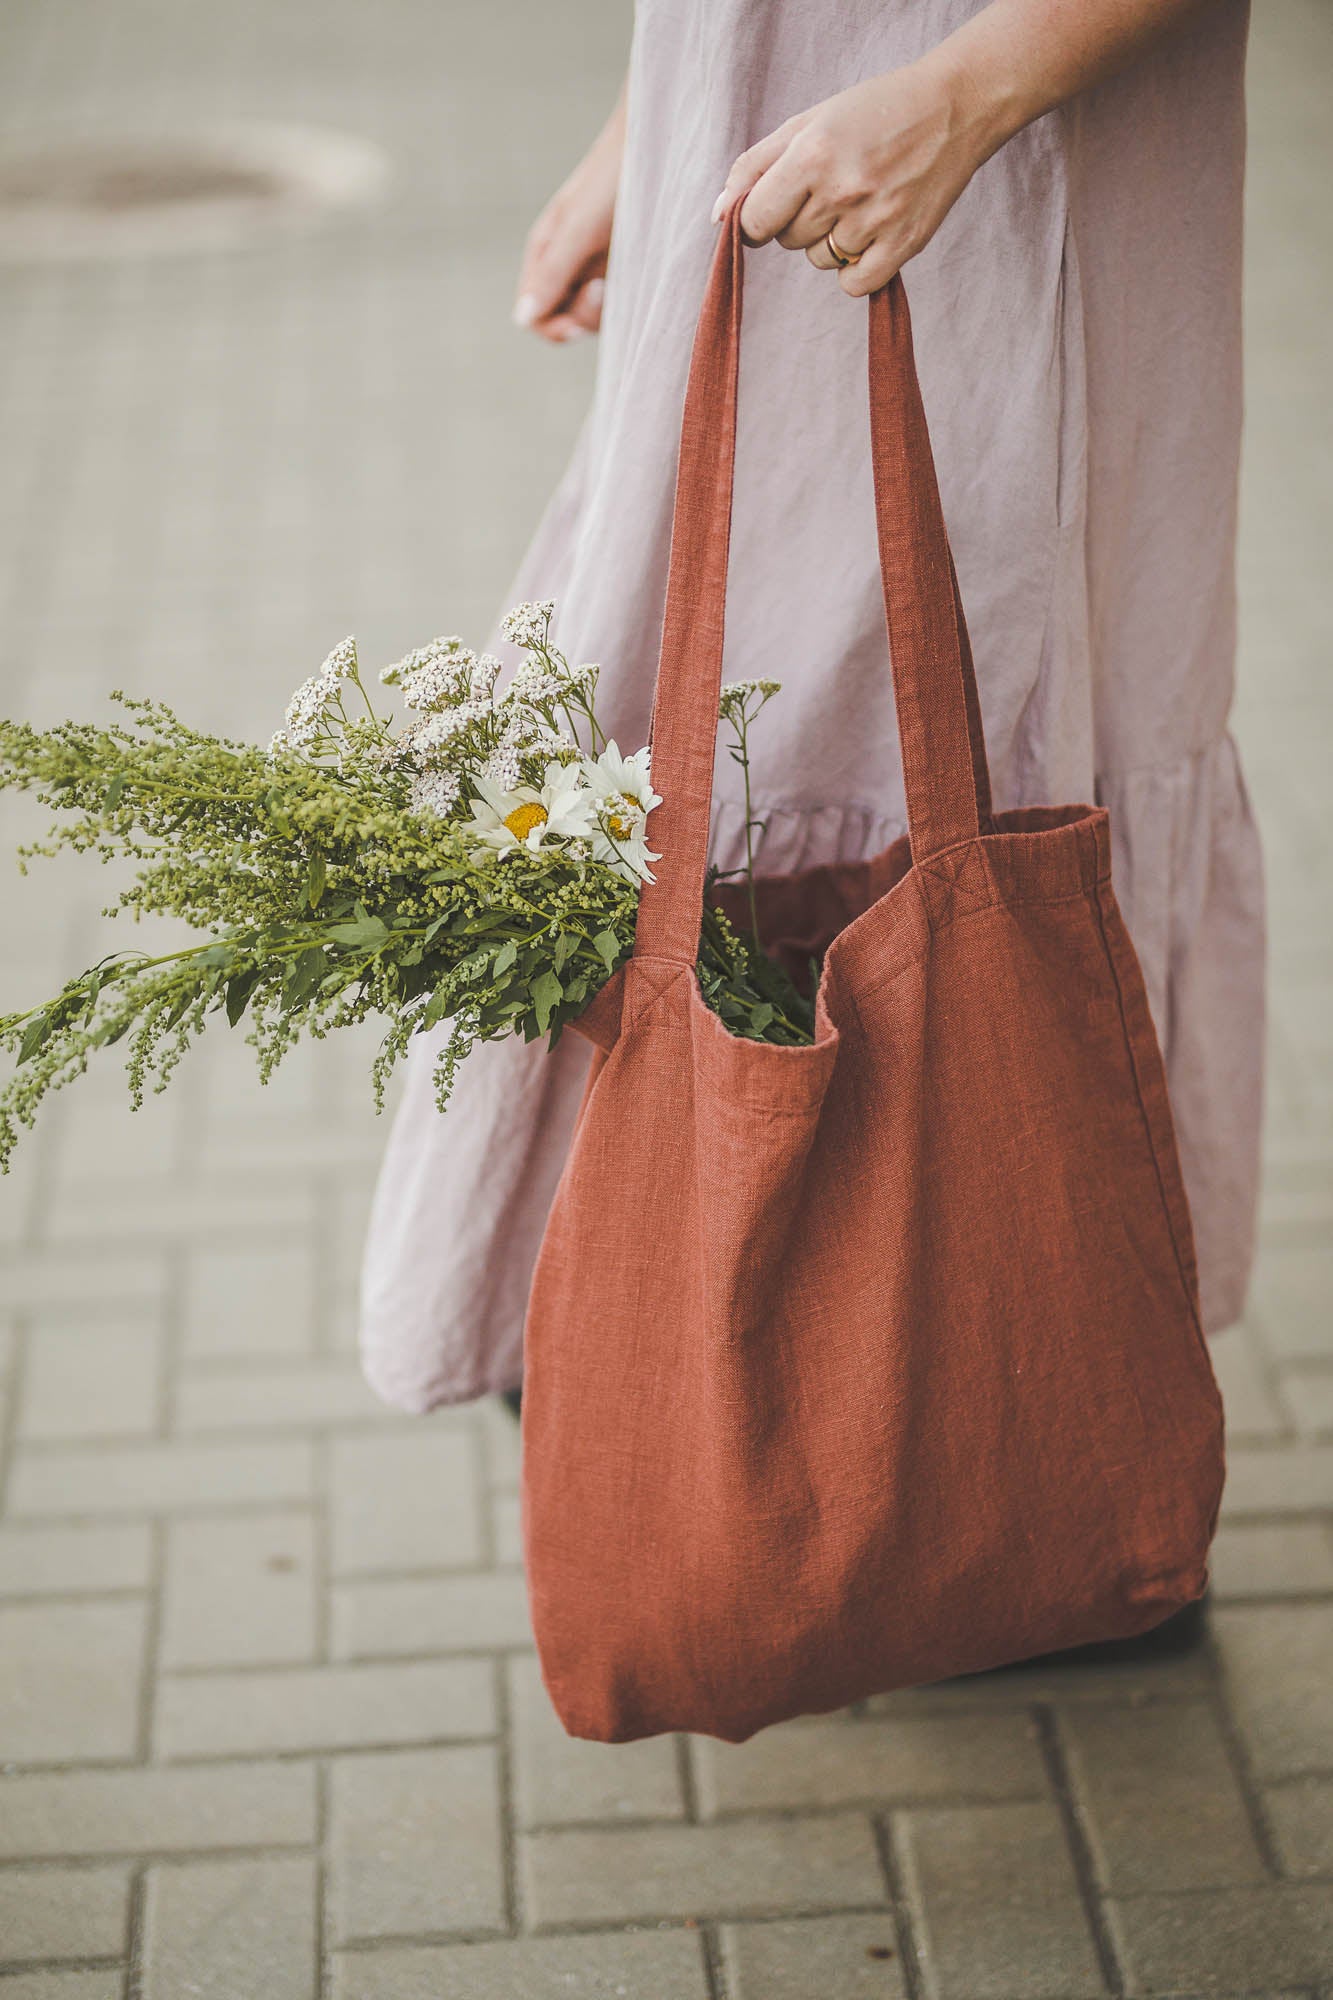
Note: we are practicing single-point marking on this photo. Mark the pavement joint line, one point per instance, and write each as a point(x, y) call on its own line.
point(150, 1671)
point(1242, 1770)
point(891, 1868)
point(323, 1927)
point(366, 1946)
point(685, 1777)
point(511, 1890)
point(152, 1857)
point(1079, 1845)
point(715, 1973)
point(137, 1941)
point(26, 1966)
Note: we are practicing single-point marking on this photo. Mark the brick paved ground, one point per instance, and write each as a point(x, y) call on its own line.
point(268, 1710)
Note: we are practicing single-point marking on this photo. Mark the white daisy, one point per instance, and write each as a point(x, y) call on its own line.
point(528, 817)
point(622, 800)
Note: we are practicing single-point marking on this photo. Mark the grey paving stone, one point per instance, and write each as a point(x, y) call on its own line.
point(1308, 1394)
point(219, 1930)
point(1262, 1559)
point(746, 1868)
point(163, 1207)
point(1301, 1818)
point(1293, 1301)
point(103, 1383)
point(621, 1965)
point(53, 1561)
point(996, 1906)
point(560, 1779)
point(74, 1985)
point(485, 1611)
point(250, 1301)
point(157, 1478)
point(1227, 1941)
point(69, 1680)
point(892, 1761)
point(317, 1393)
point(1249, 1395)
point(323, 1708)
point(1163, 1805)
point(415, 1843)
point(507, 1527)
point(147, 1811)
point(1277, 1663)
point(106, 1282)
point(407, 1501)
point(240, 1591)
point(846, 1958)
point(64, 1913)
point(1290, 1479)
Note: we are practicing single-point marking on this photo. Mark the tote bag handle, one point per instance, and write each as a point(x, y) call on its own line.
point(935, 692)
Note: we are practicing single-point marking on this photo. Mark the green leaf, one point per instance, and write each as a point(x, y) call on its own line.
point(607, 946)
point(365, 931)
point(436, 1007)
point(239, 990)
point(316, 877)
point(566, 943)
point(37, 1031)
point(504, 958)
point(113, 792)
point(547, 993)
point(761, 1016)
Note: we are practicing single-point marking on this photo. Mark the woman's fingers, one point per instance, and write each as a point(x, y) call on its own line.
point(777, 197)
point(579, 315)
point(747, 169)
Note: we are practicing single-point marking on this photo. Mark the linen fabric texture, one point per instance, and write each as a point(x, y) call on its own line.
point(868, 1363)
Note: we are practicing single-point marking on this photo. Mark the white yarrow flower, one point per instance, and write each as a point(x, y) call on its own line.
point(525, 816)
point(341, 663)
point(528, 624)
point(622, 799)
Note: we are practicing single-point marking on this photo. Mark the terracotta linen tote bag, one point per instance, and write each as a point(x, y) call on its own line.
point(859, 1365)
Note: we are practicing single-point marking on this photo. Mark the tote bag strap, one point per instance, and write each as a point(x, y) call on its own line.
point(935, 694)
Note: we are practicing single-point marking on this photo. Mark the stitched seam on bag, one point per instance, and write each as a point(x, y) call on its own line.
point(1152, 1139)
point(967, 917)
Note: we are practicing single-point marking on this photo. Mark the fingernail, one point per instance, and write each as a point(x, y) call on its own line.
point(568, 333)
point(595, 291)
point(525, 310)
point(719, 207)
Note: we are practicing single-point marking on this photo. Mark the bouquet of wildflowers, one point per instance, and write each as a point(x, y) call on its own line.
point(478, 864)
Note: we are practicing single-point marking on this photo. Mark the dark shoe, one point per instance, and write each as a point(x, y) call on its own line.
point(513, 1401)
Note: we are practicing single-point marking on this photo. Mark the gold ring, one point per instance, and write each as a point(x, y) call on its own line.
point(840, 257)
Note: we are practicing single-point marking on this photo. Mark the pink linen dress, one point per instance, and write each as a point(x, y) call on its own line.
point(1077, 324)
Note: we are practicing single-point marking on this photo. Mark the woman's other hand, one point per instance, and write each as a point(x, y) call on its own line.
point(879, 165)
point(562, 276)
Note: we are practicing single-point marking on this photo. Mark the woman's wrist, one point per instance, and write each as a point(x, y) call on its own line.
point(982, 94)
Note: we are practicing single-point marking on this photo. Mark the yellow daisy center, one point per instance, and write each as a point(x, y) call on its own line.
point(523, 818)
point(620, 816)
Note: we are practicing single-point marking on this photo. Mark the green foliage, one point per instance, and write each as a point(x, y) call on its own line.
point(325, 896)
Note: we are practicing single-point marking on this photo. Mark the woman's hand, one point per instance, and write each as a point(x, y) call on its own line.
point(561, 279)
point(879, 166)
point(882, 164)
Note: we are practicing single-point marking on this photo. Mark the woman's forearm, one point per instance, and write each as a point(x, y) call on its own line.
point(1018, 59)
